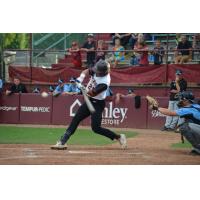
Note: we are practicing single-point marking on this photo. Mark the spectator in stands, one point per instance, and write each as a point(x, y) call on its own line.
point(64, 88)
point(124, 38)
point(141, 52)
point(158, 53)
point(178, 38)
point(16, 87)
point(100, 54)
point(36, 90)
point(177, 86)
point(73, 89)
point(51, 89)
point(184, 51)
point(120, 96)
point(89, 47)
point(118, 52)
point(133, 40)
point(196, 42)
point(59, 88)
point(76, 54)
point(1, 85)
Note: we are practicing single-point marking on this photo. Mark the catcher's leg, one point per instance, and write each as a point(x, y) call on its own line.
point(191, 132)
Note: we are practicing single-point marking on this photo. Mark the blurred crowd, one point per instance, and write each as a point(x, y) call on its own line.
point(133, 48)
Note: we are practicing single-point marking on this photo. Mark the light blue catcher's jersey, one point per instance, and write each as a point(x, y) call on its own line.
point(189, 111)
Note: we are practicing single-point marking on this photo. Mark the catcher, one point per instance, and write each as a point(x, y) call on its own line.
point(188, 110)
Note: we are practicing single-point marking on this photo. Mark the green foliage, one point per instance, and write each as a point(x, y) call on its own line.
point(15, 40)
point(26, 135)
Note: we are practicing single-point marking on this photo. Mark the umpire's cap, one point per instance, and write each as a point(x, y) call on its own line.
point(101, 67)
point(187, 96)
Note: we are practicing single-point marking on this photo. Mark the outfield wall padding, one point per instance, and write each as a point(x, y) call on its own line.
point(33, 109)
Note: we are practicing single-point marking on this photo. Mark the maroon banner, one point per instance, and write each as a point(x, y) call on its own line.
point(65, 107)
point(156, 120)
point(129, 75)
point(124, 115)
point(9, 109)
point(190, 72)
point(60, 110)
point(34, 109)
point(150, 74)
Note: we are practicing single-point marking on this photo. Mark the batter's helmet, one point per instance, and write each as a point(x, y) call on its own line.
point(101, 67)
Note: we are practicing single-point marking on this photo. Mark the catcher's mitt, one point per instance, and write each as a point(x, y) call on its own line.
point(153, 103)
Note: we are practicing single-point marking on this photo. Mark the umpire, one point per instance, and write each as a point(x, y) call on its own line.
point(96, 89)
point(190, 111)
point(176, 86)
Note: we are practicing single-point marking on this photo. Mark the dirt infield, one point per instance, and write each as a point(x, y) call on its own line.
point(149, 147)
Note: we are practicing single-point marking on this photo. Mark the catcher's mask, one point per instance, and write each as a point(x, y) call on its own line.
point(185, 97)
point(101, 67)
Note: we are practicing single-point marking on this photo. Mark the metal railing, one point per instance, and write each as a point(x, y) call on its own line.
point(18, 57)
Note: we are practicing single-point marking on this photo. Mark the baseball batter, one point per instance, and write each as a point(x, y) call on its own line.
point(96, 89)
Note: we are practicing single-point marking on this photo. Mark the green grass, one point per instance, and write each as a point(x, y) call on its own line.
point(182, 145)
point(26, 135)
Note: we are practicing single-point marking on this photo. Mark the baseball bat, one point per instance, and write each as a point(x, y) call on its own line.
point(87, 101)
point(86, 98)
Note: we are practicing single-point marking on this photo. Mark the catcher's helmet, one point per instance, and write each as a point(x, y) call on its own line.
point(101, 67)
point(187, 96)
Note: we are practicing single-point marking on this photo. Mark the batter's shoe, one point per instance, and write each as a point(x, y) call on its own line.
point(122, 141)
point(59, 146)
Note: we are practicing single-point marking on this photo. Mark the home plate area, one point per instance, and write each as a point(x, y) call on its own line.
point(152, 148)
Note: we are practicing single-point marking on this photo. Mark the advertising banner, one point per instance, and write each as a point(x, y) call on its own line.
point(9, 109)
point(34, 109)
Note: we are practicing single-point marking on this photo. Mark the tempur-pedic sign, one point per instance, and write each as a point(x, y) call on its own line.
point(35, 109)
point(25, 109)
point(111, 115)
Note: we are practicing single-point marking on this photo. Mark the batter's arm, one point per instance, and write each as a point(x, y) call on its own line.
point(97, 90)
point(83, 74)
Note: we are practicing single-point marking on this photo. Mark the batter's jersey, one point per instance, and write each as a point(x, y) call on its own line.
point(94, 81)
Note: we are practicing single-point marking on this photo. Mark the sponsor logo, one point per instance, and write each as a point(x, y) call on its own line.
point(114, 115)
point(72, 108)
point(35, 109)
point(8, 108)
point(111, 115)
point(155, 113)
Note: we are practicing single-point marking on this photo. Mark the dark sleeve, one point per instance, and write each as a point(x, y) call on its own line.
point(183, 85)
point(24, 90)
point(84, 45)
point(12, 88)
point(172, 85)
point(99, 88)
